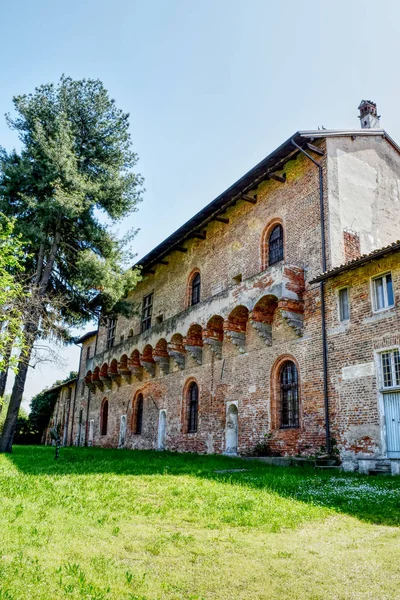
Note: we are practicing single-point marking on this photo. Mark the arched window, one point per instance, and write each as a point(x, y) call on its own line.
point(275, 245)
point(289, 384)
point(195, 289)
point(104, 418)
point(193, 407)
point(138, 415)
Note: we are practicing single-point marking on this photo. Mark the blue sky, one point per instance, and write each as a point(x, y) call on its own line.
point(211, 86)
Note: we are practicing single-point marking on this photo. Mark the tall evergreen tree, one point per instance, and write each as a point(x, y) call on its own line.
point(11, 295)
point(71, 182)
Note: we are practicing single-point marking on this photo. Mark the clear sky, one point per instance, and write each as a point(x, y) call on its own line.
point(212, 86)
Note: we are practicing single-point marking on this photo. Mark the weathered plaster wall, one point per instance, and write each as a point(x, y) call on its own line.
point(363, 193)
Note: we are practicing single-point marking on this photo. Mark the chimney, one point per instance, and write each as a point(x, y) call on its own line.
point(369, 117)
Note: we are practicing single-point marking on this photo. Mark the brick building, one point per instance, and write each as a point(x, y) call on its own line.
point(62, 412)
point(237, 341)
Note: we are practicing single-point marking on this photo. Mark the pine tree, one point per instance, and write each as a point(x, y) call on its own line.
point(71, 182)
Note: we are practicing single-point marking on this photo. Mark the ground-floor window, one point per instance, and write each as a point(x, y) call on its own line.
point(193, 407)
point(390, 362)
point(138, 415)
point(104, 418)
point(289, 389)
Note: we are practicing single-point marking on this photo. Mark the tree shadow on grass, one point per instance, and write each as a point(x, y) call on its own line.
point(372, 499)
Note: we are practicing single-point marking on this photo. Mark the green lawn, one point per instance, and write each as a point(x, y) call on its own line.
point(129, 525)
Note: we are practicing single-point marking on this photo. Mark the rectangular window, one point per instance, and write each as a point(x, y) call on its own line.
point(88, 353)
point(390, 362)
point(147, 311)
point(83, 388)
point(383, 296)
point(111, 325)
point(344, 313)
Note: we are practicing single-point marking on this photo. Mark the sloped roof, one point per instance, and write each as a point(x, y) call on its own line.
point(61, 385)
point(275, 161)
point(358, 262)
point(86, 336)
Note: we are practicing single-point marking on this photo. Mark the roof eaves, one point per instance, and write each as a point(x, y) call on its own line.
point(327, 133)
point(61, 385)
point(86, 336)
point(358, 262)
point(273, 162)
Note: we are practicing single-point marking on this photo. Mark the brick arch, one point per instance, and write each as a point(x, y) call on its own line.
point(185, 402)
point(188, 295)
point(275, 390)
point(238, 318)
point(161, 348)
point(113, 368)
point(104, 370)
point(215, 328)
point(177, 339)
point(96, 374)
point(194, 336)
point(134, 360)
point(264, 309)
point(264, 245)
point(123, 361)
point(147, 354)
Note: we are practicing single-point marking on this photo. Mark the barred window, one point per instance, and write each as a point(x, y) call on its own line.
point(193, 407)
point(390, 362)
point(196, 284)
point(275, 245)
point(147, 311)
point(289, 395)
point(111, 325)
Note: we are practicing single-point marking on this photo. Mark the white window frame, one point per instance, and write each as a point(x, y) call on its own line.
point(345, 287)
point(391, 351)
point(385, 296)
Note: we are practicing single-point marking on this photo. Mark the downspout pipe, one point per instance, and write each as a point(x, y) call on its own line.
point(322, 294)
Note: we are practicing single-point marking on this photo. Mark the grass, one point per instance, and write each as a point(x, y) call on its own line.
point(127, 525)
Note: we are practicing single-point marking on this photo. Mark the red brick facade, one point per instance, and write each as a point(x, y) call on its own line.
point(250, 320)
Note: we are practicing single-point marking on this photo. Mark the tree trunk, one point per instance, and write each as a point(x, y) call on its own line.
point(10, 423)
point(30, 332)
point(3, 374)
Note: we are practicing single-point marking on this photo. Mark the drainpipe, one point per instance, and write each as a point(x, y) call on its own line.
point(322, 294)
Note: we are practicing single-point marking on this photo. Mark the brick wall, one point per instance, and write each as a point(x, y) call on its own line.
point(239, 369)
point(352, 248)
point(234, 341)
point(356, 408)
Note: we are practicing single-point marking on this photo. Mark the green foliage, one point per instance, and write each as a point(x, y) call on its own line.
point(115, 524)
point(11, 287)
point(70, 184)
point(22, 414)
point(41, 408)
